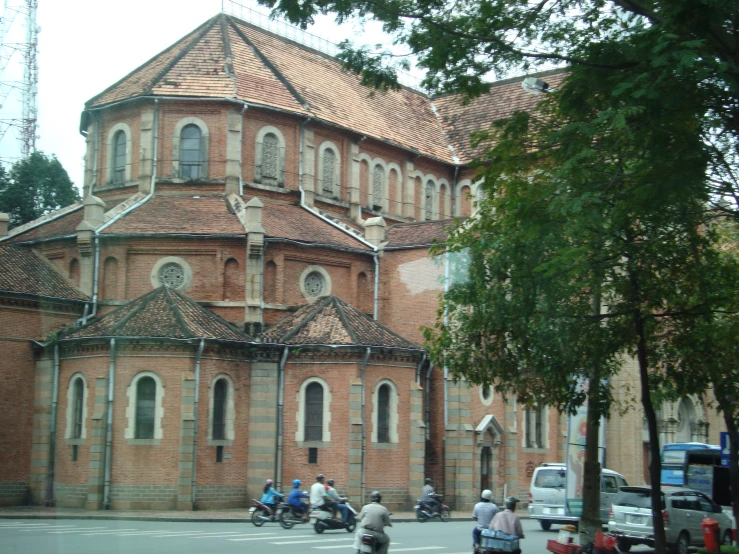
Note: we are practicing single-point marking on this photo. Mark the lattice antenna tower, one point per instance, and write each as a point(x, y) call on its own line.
point(10, 46)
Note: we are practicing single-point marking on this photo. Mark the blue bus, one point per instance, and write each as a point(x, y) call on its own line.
point(697, 466)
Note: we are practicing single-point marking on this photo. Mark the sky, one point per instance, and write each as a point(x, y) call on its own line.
point(85, 46)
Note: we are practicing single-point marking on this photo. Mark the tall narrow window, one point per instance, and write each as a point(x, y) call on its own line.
point(429, 202)
point(383, 414)
point(538, 426)
point(119, 157)
point(534, 421)
point(219, 409)
point(78, 394)
point(270, 159)
point(146, 390)
point(329, 165)
point(314, 412)
point(191, 152)
point(378, 186)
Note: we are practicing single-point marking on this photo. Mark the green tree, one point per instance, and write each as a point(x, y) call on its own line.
point(35, 186)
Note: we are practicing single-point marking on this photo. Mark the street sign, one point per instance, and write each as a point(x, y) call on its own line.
point(725, 448)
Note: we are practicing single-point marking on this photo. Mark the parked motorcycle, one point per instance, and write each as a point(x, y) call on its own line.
point(260, 513)
point(324, 519)
point(426, 511)
point(288, 517)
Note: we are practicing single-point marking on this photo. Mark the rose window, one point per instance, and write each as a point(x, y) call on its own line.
point(314, 284)
point(172, 275)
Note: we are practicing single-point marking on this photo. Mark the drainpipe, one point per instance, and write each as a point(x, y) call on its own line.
point(454, 189)
point(280, 404)
point(195, 421)
point(301, 139)
point(428, 401)
point(364, 423)
point(446, 323)
point(96, 266)
point(376, 298)
point(241, 150)
point(95, 160)
point(109, 428)
point(418, 369)
point(52, 433)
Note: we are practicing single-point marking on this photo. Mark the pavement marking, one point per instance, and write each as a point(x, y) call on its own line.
point(194, 534)
point(252, 538)
point(26, 524)
point(51, 527)
point(416, 548)
point(105, 532)
point(75, 530)
point(223, 535)
point(314, 541)
point(344, 546)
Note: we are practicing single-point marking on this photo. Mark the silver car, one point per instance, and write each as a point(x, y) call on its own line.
point(683, 510)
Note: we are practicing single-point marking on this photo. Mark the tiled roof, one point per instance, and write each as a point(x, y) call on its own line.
point(209, 215)
point(63, 225)
point(26, 272)
point(406, 235)
point(161, 313)
point(505, 97)
point(331, 321)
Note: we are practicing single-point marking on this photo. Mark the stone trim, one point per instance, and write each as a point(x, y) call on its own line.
point(327, 285)
point(111, 155)
point(393, 409)
point(491, 396)
point(328, 145)
point(154, 276)
point(129, 432)
point(70, 411)
point(230, 411)
point(300, 414)
point(204, 147)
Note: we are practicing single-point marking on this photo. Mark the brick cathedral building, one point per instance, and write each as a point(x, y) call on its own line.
point(239, 296)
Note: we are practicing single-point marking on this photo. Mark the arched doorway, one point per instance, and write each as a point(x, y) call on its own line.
point(489, 440)
point(486, 468)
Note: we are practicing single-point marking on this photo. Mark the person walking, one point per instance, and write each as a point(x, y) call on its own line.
point(508, 522)
point(483, 513)
point(373, 518)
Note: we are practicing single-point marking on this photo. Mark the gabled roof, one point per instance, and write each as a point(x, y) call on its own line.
point(161, 313)
point(331, 321)
point(62, 222)
point(418, 235)
point(26, 272)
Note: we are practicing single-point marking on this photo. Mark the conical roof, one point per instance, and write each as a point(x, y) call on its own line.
point(161, 313)
point(331, 321)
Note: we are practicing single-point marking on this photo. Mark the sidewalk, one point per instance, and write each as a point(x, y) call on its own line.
point(238, 515)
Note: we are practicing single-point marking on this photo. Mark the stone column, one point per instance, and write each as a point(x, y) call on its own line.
point(96, 468)
point(417, 443)
point(355, 209)
point(94, 210)
point(254, 264)
point(187, 434)
point(146, 152)
point(4, 218)
point(41, 438)
point(89, 177)
point(233, 151)
point(459, 433)
point(374, 230)
point(262, 431)
point(511, 442)
point(354, 484)
point(309, 166)
point(409, 191)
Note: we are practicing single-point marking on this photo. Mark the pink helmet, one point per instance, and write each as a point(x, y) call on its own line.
point(268, 482)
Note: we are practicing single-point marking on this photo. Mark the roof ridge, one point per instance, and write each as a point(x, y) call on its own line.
point(176, 312)
point(142, 303)
point(269, 65)
point(381, 326)
point(309, 314)
point(207, 26)
point(228, 54)
point(210, 314)
point(342, 316)
point(92, 100)
point(46, 218)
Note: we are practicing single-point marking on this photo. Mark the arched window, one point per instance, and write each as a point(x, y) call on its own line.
point(146, 390)
point(535, 427)
point(110, 278)
point(78, 395)
point(362, 291)
point(233, 281)
point(119, 157)
point(329, 167)
point(314, 412)
point(428, 213)
point(191, 152)
point(270, 162)
point(685, 421)
point(74, 271)
point(464, 203)
point(378, 186)
point(383, 414)
point(270, 282)
point(220, 397)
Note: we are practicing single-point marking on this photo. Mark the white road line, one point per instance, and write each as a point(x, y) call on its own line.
point(52, 527)
point(344, 546)
point(224, 535)
point(105, 532)
point(417, 548)
point(256, 538)
point(192, 534)
point(75, 530)
point(314, 541)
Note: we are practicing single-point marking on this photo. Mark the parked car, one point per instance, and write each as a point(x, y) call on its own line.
point(683, 510)
point(547, 494)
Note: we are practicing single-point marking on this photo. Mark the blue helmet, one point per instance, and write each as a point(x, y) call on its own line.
point(297, 483)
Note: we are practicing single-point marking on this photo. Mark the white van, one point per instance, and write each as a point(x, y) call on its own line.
point(547, 494)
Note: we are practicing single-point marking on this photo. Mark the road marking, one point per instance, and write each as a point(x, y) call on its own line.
point(224, 535)
point(414, 549)
point(263, 538)
point(51, 527)
point(194, 534)
point(314, 541)
point(344, 546)
point(75, 530)
point(105, 532)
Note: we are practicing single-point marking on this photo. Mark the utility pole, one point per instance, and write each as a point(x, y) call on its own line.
point(30, 82)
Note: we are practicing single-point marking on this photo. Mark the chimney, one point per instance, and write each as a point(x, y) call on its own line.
point(253, 218)
point(4, 218)
point(374, 230)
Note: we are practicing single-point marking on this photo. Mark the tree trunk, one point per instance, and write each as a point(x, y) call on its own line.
point(654, 466)
point(728, 410)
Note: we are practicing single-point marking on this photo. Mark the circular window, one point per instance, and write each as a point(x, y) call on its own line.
point(172, 275)
point(486, 395)
point(314, 283)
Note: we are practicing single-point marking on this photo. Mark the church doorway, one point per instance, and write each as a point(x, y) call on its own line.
point(486, 468)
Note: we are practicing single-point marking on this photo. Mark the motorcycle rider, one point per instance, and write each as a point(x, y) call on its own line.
point(507, 521)
point(270, 495)
point(319, 499)
point(483, 513)
point(334, 496)
point(373, 519)
point(429, 496)
point(294, 499)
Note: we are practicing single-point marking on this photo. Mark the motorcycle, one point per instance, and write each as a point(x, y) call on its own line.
point(260, 513)
point(425, 511)
point(368, 544)
point(324, 519)
point(288, 517)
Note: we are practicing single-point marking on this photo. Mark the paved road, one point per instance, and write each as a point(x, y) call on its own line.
point(153, 537)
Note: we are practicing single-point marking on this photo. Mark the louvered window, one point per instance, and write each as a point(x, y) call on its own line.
point(78, 394)
point(220, 395)
point(314, 412)
point(378, 186)
point(146, 390)
point(429, 202)
point(329, 165)
point(383, 414)
point(191, 152)
point(119, 157)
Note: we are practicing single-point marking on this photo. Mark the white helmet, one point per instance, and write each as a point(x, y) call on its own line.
point(487, 494)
